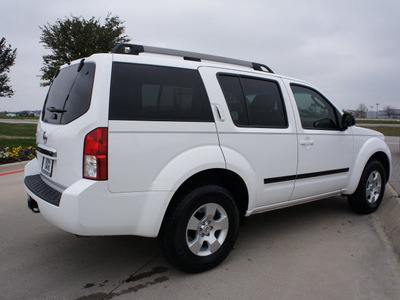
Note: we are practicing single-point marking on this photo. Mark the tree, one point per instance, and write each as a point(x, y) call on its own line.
point(361, 111)
point(7, 59)
point(75, 37)
point(389, 111)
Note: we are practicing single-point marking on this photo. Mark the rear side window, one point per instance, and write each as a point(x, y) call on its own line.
point(69, 95)
point(254, 102)
point(234, 97)
point(154, 93)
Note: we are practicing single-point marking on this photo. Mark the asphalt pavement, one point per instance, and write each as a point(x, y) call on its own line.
point(394, 145)
point(378, 124)
point(319, 250)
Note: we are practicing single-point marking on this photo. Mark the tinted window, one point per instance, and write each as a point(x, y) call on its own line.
point(234, 98)
point(315, 111)
point(254, 102)
point(141, 92)
point(69, 95)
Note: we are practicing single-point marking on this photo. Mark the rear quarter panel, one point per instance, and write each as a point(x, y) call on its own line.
point(150, 156)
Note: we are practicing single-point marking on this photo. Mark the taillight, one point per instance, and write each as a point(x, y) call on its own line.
point(95, 154)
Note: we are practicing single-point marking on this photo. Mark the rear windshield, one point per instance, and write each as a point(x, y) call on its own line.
point(69, 95)
point(154, 93)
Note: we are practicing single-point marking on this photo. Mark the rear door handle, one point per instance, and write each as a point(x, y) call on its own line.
point(307, 142)
point(219, 112)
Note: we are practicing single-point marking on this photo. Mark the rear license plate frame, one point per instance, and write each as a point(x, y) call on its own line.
point(47, 166)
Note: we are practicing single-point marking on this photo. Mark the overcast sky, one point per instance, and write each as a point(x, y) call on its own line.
point(349, 49)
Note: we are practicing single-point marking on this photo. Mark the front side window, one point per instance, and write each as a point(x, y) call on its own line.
point(315, 111)
point(154, 93)
point(254, 102)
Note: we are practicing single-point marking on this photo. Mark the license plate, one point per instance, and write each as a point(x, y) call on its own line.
point(47, 166)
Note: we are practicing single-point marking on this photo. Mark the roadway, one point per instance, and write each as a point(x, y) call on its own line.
point(319, 250)
point(378, 125)
point(394, 145)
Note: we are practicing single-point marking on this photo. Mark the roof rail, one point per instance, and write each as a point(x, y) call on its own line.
point(133, 49)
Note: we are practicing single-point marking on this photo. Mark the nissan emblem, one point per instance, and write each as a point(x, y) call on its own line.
point(45, 137)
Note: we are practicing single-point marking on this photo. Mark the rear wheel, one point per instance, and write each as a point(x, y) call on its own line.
point(370, 190)
point(201, 229)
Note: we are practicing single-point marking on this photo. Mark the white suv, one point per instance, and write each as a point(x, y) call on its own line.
point(182, 146)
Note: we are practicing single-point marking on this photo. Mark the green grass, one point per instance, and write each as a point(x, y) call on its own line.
point(15, 135)
point(387, 131)
point(18, 130)
point(14, 143)
point(365, 121)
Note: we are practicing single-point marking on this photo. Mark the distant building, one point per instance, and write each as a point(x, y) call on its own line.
point(382, 114)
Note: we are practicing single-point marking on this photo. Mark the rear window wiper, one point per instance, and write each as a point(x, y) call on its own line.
point(56, 110)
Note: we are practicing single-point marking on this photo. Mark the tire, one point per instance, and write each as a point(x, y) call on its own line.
point(200, 230)
point(370, 190)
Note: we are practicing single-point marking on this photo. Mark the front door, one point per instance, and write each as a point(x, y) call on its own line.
point(325, 151)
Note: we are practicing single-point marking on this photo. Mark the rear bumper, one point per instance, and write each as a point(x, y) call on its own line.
point(36, 185)
point(87, 207)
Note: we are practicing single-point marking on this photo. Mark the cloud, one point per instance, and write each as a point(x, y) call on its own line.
point(347, 48)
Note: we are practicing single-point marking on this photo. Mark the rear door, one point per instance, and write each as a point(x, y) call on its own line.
point(158, 114)
point(256, 132)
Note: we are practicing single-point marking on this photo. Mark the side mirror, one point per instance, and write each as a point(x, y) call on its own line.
point(347, 121)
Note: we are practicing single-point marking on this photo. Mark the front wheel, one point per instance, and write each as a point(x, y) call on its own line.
point(370, 190)
point(201, 229)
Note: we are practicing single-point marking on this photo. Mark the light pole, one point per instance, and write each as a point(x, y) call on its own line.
point(377, 114)
point(372, 112)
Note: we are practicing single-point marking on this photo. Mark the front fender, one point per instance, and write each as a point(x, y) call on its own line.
point(364, 150)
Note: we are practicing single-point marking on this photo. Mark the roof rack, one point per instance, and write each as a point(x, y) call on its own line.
point(187, 55)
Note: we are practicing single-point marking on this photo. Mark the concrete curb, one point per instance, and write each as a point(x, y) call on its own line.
point(13, 167)
point(388, 218)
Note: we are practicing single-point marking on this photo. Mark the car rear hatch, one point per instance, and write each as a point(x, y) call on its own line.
point(64, 124)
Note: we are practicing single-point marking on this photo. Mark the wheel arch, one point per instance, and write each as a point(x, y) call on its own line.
point(381, 154)
point(384, 160)
point(371, 188)
point(222, 177)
